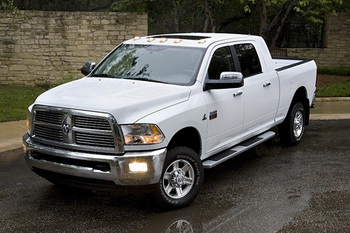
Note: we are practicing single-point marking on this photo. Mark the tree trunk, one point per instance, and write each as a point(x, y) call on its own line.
point(263, 19)
point(208, 18)
point(272, 32)
point(193, 22)
point(176, 16)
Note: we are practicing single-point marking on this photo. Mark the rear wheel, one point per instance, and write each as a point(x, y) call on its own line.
point(292, 129)
point(181, 178)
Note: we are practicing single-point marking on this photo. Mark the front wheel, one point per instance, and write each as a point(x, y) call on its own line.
point(292, 129)
point(181, 178)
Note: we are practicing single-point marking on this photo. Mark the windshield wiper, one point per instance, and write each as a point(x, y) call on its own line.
point(145, 79)
point(126, 77)
point(101, 75)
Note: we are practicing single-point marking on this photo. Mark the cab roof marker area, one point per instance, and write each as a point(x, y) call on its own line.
point(164, 39)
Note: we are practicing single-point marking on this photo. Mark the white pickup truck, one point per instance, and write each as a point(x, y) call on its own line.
point(157, 110)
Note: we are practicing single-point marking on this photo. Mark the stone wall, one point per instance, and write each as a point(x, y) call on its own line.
point(337, 45)
point(44, 47)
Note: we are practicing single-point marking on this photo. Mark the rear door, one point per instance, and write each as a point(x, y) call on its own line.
point(260, 92)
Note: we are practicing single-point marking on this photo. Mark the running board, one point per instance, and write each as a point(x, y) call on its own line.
point(236, 150)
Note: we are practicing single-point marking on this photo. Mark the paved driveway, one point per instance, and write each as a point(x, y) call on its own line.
point(271, 188)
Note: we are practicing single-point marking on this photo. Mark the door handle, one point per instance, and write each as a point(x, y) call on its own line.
point(266, 84)
point(237, 93)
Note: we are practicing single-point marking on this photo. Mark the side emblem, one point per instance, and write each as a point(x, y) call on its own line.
point(213, 115)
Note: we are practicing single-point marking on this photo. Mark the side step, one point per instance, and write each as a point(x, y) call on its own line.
point(236, 150)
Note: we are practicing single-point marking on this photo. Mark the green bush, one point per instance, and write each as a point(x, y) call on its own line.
point(334, 70)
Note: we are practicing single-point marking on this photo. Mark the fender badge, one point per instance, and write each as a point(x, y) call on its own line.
point(213, 115)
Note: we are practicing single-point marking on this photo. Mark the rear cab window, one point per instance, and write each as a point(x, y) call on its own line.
point(248, 59)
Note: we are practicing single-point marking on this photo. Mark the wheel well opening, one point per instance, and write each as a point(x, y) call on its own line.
point(301, 96)
point(188, 137)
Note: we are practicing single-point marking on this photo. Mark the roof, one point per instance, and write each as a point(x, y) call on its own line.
point(186, 39)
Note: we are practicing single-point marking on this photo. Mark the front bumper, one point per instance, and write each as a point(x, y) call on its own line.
point(100, 167)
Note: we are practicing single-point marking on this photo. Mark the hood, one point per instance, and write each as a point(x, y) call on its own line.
point(127, 100)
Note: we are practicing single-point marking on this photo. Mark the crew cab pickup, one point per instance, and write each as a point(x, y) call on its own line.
point(158, 110)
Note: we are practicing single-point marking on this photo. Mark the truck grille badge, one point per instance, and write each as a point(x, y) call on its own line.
point(65, 128)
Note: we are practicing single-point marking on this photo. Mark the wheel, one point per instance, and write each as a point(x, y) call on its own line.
point(181, 179)
point(292, 129)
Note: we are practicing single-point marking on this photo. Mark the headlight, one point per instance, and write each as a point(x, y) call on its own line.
point(142, 134)
point(28, 121)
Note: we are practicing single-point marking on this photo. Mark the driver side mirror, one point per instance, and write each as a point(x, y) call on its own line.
point(237, 76)
point(227, 80)
point(88, 67)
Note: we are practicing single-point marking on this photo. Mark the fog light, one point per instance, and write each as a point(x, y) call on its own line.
point(138, 167)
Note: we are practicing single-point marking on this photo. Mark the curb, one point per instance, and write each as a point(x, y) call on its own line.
point(316, 117)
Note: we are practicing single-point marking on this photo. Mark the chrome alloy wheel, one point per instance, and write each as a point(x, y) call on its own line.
point(178, 179)
point(298, 125)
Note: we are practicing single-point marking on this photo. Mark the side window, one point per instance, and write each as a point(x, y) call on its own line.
point(220, 62)
point(248, 59)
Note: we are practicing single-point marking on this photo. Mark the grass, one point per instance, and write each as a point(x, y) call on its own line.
point(338, 89)
point(14, 101)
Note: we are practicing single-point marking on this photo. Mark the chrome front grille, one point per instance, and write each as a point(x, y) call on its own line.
point(48, 132)
point(92, 123)
point(76, 129)
point(51, 117)
point(97, 140)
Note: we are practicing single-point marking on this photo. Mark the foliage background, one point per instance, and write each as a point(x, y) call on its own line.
point(283, 23)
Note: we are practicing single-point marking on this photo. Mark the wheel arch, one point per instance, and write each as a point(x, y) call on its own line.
point(187, 137)
point(302, 97)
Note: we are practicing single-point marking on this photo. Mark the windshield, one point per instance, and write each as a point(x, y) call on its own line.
point(157, 63)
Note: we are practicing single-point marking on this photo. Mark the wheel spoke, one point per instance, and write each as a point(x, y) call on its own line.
point(175, 165)
point(186, 168)
point(168, 189)
point(179, 192)
point(188, 181)
point(167, 176)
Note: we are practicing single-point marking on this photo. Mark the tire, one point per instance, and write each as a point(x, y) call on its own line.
point(181, 178)
point(292, 129)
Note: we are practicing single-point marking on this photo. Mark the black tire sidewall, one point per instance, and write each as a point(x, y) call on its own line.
point(286, 129)
point(191, 156)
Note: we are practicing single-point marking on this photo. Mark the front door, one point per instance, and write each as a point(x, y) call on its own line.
point(225, 106)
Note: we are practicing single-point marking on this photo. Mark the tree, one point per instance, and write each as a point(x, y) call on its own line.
point(64, 5)
point(263, 17)
point(9, 6)
point(273, 13)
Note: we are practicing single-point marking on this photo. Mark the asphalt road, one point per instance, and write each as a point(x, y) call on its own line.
point(271, 188)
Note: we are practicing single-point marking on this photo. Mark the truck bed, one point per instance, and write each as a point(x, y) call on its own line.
point(282, 63)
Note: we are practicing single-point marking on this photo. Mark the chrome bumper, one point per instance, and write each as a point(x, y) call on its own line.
point(95, 166)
